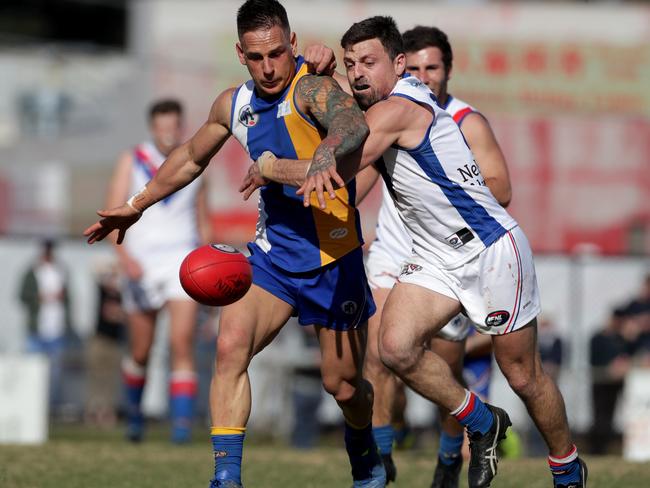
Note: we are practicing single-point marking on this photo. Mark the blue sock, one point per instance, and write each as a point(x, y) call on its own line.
point(384, 438)
point(134, 377)
point(450, 446)
point(362, 451)
point(567, 469)
point(227, 455)
point(183, 388)
point(182, 408)
point(473, 414)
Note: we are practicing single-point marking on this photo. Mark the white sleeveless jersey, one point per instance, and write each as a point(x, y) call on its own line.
point(391, 236)
point(438, 190)
point(168, 226)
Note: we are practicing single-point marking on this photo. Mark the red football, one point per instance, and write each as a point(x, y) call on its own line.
point(216, 274)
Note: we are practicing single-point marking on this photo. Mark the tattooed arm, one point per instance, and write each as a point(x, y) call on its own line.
point(395, 120)
point(338, 113)
point(333, 111)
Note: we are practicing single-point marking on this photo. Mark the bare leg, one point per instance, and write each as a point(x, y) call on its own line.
point(412, 315)
point(341, 367)
point(452, 352)
point(452, 434)
point(245, 328)
point(183, 381)
point(518, 357)
point(141, 330)
point(382, 379)
point(182, 315)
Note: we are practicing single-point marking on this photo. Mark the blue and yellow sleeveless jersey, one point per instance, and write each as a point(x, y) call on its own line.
point(295, 238)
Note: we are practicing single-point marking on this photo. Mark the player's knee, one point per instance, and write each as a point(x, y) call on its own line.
point(522, 380)
point(342, 390)
point(140, 357)
point(395, 353)
point(233, 349)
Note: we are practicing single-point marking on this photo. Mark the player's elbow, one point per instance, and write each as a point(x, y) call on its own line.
point(502, 191)
point(506, 196)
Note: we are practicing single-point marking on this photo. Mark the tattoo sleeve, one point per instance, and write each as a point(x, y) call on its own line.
point(338, 113)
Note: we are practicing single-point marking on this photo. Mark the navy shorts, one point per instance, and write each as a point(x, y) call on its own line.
point(336, 296)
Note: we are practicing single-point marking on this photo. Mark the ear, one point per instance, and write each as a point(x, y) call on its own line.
point(449, 74)
point(240, 53)
point(399, 63)
point(293, 39)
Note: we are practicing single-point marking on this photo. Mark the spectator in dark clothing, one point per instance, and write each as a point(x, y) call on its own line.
point(610, 362)
point(638, 324)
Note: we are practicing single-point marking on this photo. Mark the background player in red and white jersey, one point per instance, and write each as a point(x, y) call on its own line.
point(429, 57)
point(150, 258)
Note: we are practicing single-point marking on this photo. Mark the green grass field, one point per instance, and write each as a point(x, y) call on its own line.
point(82, 459)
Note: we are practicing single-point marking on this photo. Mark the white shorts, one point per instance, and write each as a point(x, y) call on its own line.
point(497, 288)
point(159, 283)
point(383, 272)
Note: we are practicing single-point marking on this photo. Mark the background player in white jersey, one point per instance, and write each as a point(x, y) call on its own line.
point(150, 258)
point(468, 253)
point(429, 57)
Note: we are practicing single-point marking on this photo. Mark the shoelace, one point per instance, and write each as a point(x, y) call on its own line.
point(490, 455)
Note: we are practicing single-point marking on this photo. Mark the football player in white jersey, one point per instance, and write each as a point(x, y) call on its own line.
point(150, 258)
point(429, 57)
point(469, 255)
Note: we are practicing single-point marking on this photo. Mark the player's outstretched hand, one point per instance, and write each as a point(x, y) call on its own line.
point(252, 181)
point(318, 181)
point(119, 218)
point(320, 59)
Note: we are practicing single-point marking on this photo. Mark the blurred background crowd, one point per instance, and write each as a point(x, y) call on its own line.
point(564, 85)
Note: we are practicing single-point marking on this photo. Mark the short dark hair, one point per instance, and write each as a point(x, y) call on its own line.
point(261, 14)
point(379, 27)
point(165, 106)
point(421, 37)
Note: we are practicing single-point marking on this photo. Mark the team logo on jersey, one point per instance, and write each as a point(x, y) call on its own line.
point(338, 233)
point(460, 238)
point(284, 109)
point(410, 268)
point(495, 319)
point(413, 81)
point(247, 116)
point(224, 248)
point(349, 307)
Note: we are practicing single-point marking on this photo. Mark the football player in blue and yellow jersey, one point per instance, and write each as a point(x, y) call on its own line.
point(307, 260)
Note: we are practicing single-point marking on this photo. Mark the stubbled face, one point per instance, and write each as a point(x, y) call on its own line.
point(269, 56)
point(167, 131)
point(427, 66)
point(371, 73)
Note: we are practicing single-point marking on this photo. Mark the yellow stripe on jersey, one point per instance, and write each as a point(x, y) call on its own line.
point(336, 225)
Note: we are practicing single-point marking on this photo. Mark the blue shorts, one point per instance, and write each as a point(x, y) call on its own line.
point(477, 373)
point(336, 296)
